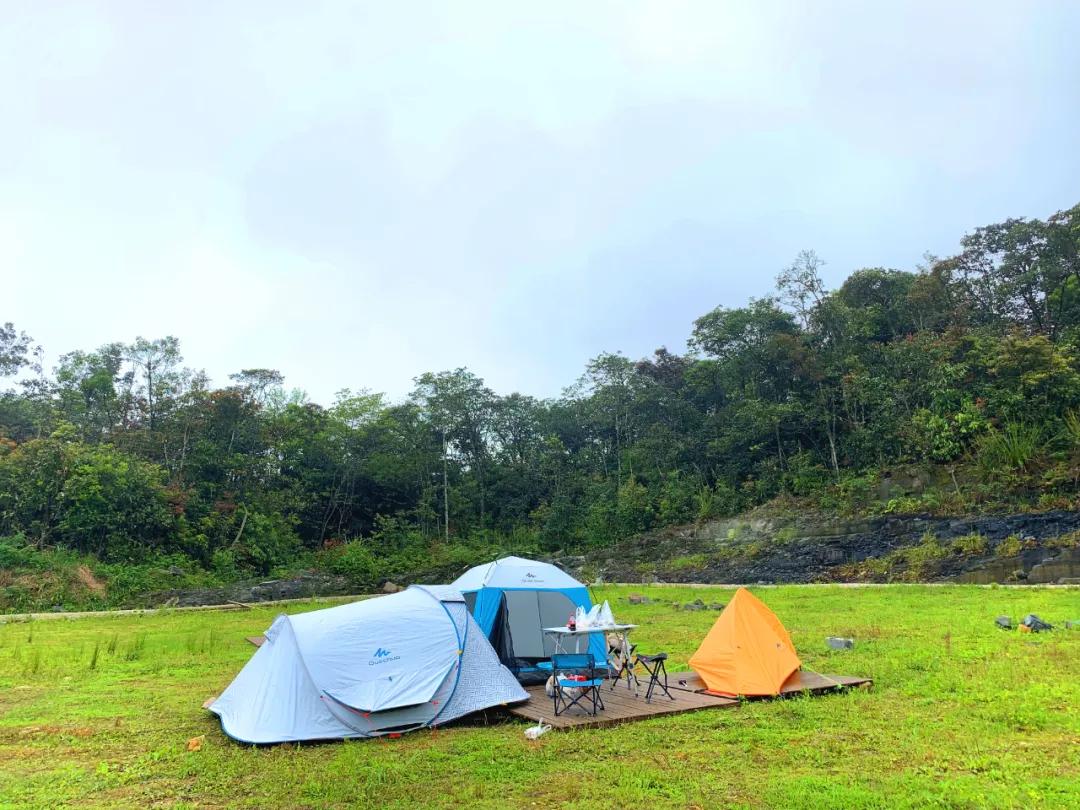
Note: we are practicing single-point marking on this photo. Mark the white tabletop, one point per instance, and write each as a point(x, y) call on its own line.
point(566, 631)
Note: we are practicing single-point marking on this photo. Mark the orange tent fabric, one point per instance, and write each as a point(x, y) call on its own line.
point(747, 651)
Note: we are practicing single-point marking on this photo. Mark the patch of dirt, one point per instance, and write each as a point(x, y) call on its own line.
point(87, 578)
point(42, 731)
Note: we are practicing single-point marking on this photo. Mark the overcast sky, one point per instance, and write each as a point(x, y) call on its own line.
point(355, 194)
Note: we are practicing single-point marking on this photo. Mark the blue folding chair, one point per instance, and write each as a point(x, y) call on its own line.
point(569, 692)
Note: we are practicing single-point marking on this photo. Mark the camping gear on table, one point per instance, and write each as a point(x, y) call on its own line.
point(598, 616)
point(561, 636)
point(747, 651)
point(513, 599)
point(577, 678)
point(584, 619)
point(1034, 624)
point(605, 618)
point(387, 665)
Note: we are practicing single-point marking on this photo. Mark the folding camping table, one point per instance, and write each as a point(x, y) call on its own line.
point(561, 634)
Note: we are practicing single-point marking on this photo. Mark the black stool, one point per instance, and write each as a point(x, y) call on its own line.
point(654, 665)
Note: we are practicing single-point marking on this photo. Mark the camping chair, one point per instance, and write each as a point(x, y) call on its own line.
point(654, 665)
point(621, 659)
point(570, 692)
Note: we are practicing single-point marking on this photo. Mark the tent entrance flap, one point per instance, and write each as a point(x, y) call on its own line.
point(501, 639)
point(528, 613)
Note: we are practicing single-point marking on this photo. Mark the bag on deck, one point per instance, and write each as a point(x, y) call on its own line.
point(1035, 624)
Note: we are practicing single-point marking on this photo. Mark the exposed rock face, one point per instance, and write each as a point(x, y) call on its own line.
point(812, 548)
point(305, 585)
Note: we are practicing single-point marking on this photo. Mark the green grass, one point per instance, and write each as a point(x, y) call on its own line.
point(98, 712)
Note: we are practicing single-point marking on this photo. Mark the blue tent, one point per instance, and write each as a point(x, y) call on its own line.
point(380, 666)
point(514, 599)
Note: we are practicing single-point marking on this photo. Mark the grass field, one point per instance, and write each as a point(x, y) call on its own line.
point(98, 712)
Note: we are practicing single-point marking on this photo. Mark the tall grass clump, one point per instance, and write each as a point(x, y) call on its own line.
point(135, 651)
point(33, 667)
point(1012, 448)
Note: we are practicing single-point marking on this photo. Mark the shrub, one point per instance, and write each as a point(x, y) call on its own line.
point(1011, 546)
point(689, 562)
point(924, 559)
point(633, 510)
point(719, 500)
point(1013, 448)
point(264, 542)
point(970, 544)
point(355, 562)
point(676, 499)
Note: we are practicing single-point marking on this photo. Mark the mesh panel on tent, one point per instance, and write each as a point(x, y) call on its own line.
point(476, 689)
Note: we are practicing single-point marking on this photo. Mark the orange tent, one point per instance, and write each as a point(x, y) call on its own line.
point(747, 651)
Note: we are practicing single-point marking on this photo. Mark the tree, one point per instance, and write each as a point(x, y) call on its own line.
point(14, 350)
point(1025, 272)
point(86, 389)
point(155, 361)
point(459, 407)
point(258, 382)
point(800, 286)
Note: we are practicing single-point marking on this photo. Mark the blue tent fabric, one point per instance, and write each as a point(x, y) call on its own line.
point(487, 608)
point(492, 580)
point(386, 665)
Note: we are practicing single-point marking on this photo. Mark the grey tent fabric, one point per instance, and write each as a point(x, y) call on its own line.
point(529, 613)
point(386, 665)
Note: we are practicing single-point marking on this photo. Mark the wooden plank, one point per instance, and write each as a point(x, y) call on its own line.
point(621, 706)
point(256, 640)
point(801, 682)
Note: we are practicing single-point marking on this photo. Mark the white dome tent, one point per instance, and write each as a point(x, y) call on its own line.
point(513, 599)
point(388, 665)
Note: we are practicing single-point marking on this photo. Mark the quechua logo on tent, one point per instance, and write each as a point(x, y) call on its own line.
point(381, 656)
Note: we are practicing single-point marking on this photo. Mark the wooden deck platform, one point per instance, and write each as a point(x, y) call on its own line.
point(622, 706)
point(800, 682)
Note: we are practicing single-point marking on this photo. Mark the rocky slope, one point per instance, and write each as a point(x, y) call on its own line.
point(1036, 548)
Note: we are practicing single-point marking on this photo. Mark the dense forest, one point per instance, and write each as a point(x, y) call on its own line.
point(969, 366)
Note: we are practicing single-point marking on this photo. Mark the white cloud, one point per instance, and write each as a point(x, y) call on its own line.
point(358, 194)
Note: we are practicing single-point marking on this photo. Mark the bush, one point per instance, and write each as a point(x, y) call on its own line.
point(115, 506)
point(945, 438)
point(264, 542)
point(633, 510)
point(355, 562)
point(1012, 449)
point(720, 500)
point(677, 499)
point(804, 475)
point(923, 560)
point(1011, 546)
point(970, 544)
